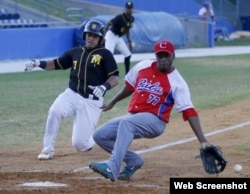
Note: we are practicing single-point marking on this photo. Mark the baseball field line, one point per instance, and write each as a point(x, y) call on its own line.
point(193, 138)
point(233, 127)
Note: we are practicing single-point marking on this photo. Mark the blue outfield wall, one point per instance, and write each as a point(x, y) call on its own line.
point(31, 43)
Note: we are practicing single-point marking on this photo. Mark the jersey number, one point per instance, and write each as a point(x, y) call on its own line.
point(75, 65)
point(153, 99)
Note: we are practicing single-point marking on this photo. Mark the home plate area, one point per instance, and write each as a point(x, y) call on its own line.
point(43, 184)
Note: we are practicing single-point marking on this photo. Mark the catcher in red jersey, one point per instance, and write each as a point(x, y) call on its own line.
point(156, 87)
point(93, 71)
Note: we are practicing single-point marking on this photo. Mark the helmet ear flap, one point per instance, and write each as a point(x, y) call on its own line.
point(83, 35)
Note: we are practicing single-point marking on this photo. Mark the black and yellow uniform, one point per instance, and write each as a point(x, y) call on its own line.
point(121, 24)
point(88, 67)
point(92, 72)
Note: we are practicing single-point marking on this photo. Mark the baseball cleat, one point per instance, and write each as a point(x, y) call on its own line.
point(45, 156)
point(128, 172)
point(88, 149)
point(102, 169)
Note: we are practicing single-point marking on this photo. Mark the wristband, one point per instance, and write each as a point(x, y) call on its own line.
point(107, 85)
point(43, 64)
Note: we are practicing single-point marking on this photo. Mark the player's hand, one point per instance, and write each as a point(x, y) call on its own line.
point(108, 106)
point(98, 91)
point(31, 65)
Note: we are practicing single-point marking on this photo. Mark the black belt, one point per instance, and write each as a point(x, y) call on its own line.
point(89, 96)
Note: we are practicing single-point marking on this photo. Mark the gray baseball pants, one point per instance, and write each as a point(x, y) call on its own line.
point(116, 135)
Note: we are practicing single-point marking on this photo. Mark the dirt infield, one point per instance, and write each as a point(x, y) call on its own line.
point(21, 172)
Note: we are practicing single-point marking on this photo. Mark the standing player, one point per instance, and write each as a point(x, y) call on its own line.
point(121, 25)
point(155, 86)
point(93, 71)
point(206, 12)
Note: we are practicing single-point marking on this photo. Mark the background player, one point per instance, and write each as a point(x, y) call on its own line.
point(93, 72)
point(206, 12)
point(155, 86)
point(121, 25)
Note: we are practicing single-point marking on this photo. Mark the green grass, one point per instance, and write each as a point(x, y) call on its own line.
point(236, 42)
point(26, 97)
point(215, 81)
point(56, 8)
point(52, 7)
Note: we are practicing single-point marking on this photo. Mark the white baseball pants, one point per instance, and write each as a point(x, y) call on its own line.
point(86, 113)
point(113, 42)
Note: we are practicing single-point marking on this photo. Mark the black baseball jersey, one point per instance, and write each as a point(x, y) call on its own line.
point(88, 67)
point(121, 24)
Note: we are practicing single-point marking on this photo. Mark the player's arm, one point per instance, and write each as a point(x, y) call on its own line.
point(49, 65)
point(123, 93)
point(46, 65)
point(100, 91)
point(61, 63)
point(106, 26)
point(212, 15)
point(112, 81)
point(129, 40)
point(128, 36)
point(193, 118)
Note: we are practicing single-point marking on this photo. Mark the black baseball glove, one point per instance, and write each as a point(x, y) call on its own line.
point(212, 159)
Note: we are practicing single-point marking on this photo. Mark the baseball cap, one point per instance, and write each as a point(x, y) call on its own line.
point(129, 5)
point(164, 46)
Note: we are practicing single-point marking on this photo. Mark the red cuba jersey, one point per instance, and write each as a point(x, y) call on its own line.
point(157, 92)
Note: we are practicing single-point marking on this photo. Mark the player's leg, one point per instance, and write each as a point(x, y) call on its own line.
point(123, 49)
point(87, 115)
point(110, 41)
point(140, 125)
point(127, 64)
point(131, 126)
point(62, 107)
point(105, 135)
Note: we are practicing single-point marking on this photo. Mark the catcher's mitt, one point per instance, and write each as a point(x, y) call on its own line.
point(212, 159)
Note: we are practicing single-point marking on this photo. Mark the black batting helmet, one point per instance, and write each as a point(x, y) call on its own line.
point(95, 27)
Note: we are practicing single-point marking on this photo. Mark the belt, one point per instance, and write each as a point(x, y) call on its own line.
point(89, 96)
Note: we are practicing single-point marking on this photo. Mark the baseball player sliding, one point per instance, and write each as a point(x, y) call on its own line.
point(155, 86)
point(93, 71)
